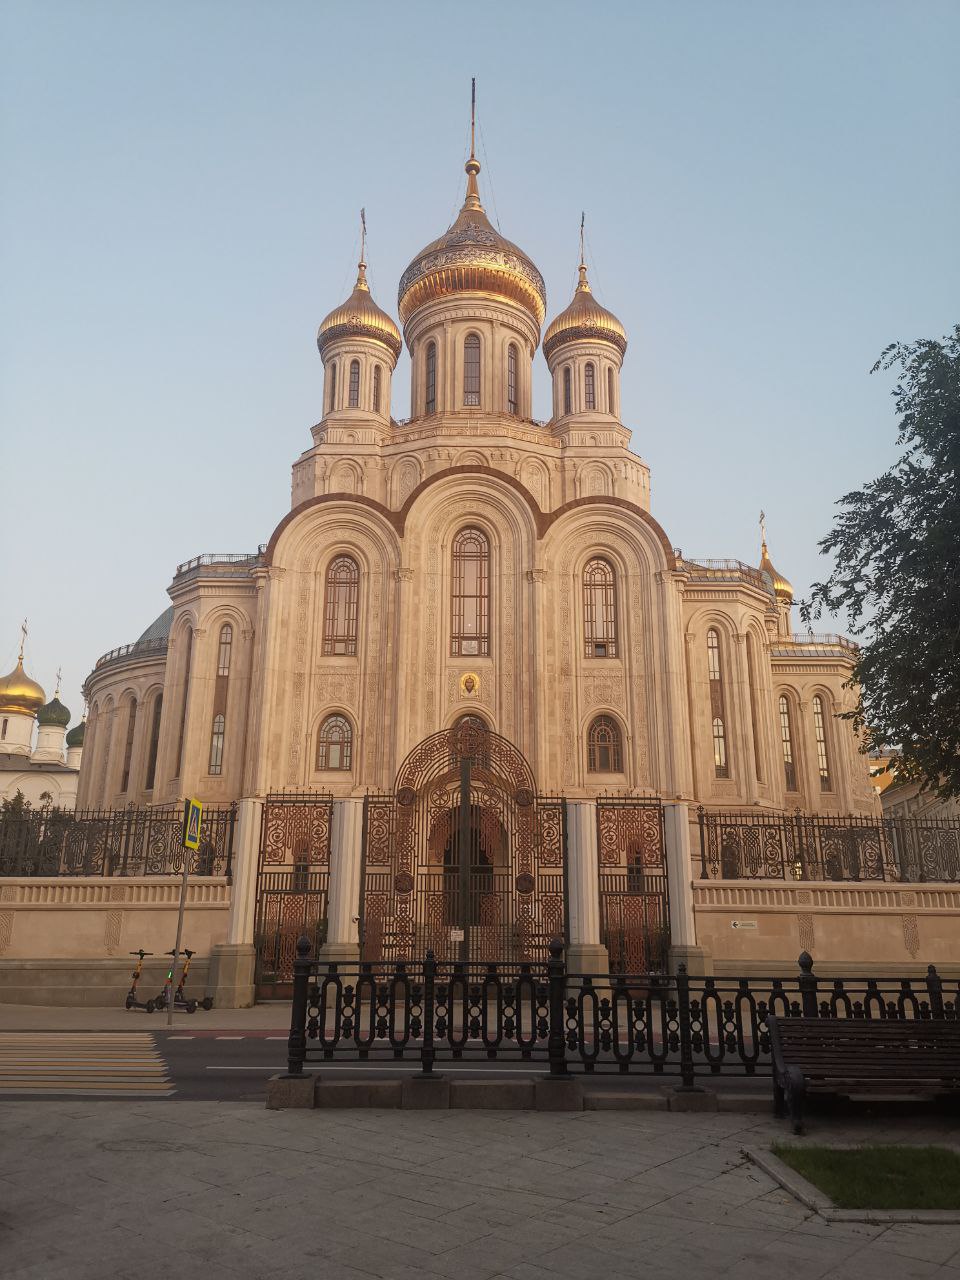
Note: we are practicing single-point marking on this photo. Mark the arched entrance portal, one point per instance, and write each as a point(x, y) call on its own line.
point(464, 859)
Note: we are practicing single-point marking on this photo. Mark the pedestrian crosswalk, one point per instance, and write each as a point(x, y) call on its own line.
point(88, 1064)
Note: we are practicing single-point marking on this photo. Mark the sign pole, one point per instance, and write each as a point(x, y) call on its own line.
point(192, 812)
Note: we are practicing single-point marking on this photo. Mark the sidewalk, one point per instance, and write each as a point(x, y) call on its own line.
point(273, 1018)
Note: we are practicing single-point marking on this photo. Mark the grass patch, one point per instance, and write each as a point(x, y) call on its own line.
point(879, 1177)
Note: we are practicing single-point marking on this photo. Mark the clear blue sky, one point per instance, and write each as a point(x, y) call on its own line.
point(771, 193)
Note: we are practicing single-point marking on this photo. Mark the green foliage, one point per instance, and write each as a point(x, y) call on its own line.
point(896, 547)
point(17, 806)
point(879, 1177)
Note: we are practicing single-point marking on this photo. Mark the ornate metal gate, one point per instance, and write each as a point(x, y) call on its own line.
point(464, 859)
point(292, 881)
point(634, 906)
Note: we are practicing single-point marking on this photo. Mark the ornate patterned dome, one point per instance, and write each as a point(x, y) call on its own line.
point(584, 318)
point(53, 713)
point(471, 257)
point(19, 695)
point(360, 316)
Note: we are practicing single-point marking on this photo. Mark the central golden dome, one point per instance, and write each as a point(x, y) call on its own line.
point(471, 257)
point(19, 695)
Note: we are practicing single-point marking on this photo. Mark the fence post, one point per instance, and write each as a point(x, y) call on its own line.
point(428, 1052)
point(808, 985)
point(935, 991)
point(297, 1043)
point(704, 874)
point(231, 828)
point(556, 979)
point(686, 1031)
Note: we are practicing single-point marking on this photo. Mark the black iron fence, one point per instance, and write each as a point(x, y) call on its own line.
point(114, 842)
point(802, 846)
point(656, 1024)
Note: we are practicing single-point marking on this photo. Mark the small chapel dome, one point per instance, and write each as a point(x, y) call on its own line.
point(360, 317)
point(53, 713)
point(782, 589)
point(584, 319)
point(19, 695)
point(471, 257)
point(75, 737)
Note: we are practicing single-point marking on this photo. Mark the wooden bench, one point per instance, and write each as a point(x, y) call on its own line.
point(862, 1055)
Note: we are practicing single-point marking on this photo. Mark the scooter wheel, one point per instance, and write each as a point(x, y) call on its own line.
point(129, 1004)
point(149, 1006)
point(191, 1006)
point(207, 1002)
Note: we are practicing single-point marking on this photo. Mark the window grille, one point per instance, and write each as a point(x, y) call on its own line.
point(820, 732)
point(721, 767)
point(566, 390)
point(511, 379)
point(340, 606)
point(335, 743)
point(376, 388)
point(589, 388)
point(226, 649)
point(333, 387)
point(471, 369)
point(604, 749)
point(611, 395)
point(430, 405)
point(786, 741)
point(354, 389)
point(216, 745)
point(470, 601)
point(599, 610)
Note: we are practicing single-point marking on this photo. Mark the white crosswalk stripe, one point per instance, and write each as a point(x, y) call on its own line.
point(89, 1064)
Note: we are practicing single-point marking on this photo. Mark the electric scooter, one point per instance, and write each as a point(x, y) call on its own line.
point(207, 1001)
point(163, 999)
point(132, 1002)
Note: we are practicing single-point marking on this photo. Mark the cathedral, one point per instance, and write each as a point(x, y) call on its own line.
point(471, 560)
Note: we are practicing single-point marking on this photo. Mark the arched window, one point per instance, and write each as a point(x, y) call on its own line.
point(332, 379)
point(599, 610)
point(589, 387)
point(183, 705)
point(3, 730)
point(567, 401)
point(511, 378)
point(128, 745)
point(721, 767)
point(604, 749)
point(820, 732)
point(470, 599)
point(353, 392)
point(786, 741)
point(340, 606)
point(471, 369)
point(754, 697)
point(376, 388)
point(611, 395)
point(430, 401)
point(216, 745)
point(226, 647)
point(334, 743)
point(154, 741)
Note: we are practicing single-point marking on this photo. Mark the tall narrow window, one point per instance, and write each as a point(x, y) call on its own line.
point(611, 394)
point(3, 731)
point(721, 767)
point(511, 379)
point(567, 402)
point(589, 387)
point(154, 741)
point(604, 748)
point(470, 603)
point(376, 388)
point(430, 400)
point(599, 610)
point(471, 369)
point(333, 387)
point(334, 743)
point(786, 741)
point(225, 650)
point(340, 606)
point(754, 696)
point(128, 745)
point(820, 732)
point(186, 694)
point(216, 746)
point(354, 389)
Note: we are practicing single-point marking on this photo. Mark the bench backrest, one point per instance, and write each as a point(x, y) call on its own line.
point(868, 1047)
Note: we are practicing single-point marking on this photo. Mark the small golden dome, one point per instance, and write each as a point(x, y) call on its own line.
point(19, 695)
point(360, 317)
point(471, 257)
point(781, 587)
point(584, 319)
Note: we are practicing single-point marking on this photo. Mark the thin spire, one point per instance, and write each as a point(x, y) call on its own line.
point(59, 678)
point(763, 533)
point(583, 284)
point(362, 264)
point(472, 166)
point(23, 640)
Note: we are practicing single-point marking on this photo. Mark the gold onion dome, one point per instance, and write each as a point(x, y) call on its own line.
point(19, 695)
point(584, 319)
point(781, 587)
point(360, 317)
point(471, 257)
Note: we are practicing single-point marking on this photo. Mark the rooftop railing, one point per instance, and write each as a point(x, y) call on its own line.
point(220, 557)
point(139, 648)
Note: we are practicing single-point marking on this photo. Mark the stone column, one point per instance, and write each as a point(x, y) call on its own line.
point(233, 963)
point(343, 903)
point(585, 954)
point(683, 927)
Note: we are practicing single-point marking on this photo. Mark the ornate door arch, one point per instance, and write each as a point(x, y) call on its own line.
point(464, 858)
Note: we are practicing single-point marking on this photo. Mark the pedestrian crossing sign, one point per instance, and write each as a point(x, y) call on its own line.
point(192, 813)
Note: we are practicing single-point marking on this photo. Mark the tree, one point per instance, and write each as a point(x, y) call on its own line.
point(896, 547)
